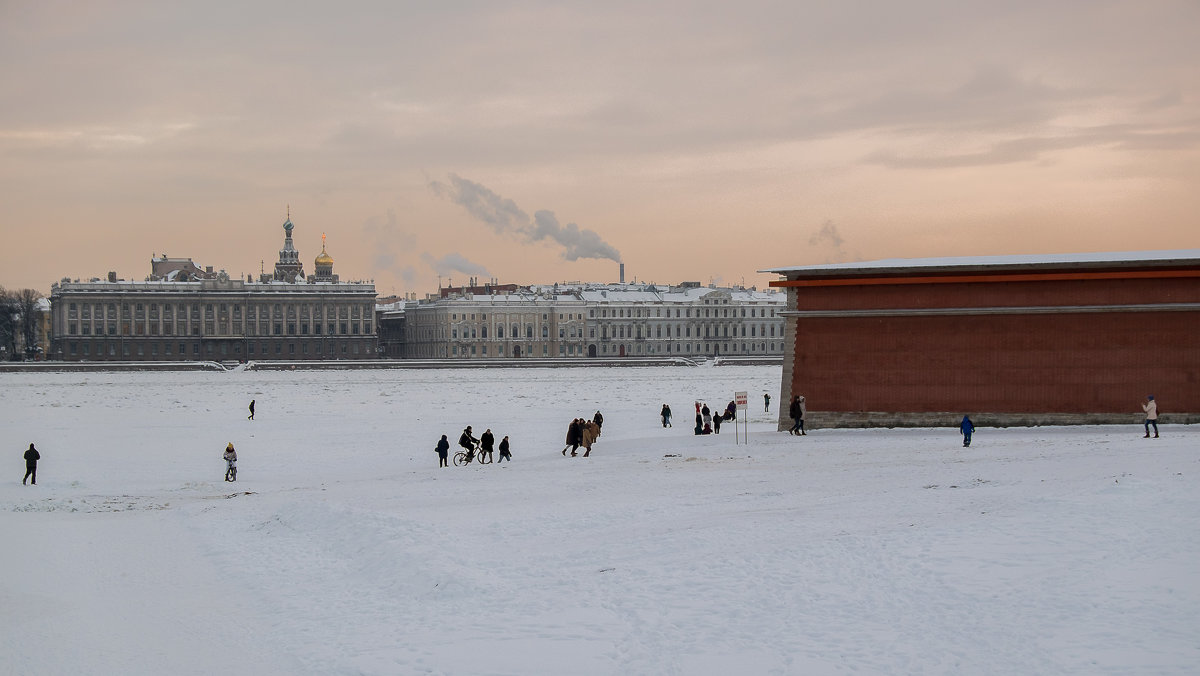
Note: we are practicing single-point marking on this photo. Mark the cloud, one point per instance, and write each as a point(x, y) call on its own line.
point(389, 241)
point(829, 238)
point(504, 216)
point(453, 262)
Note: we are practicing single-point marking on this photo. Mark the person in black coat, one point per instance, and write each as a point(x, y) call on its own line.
point(574, 436)
point(443, 449)
point(31, 458)
point(251, 407)
point(599, 420)
point(466, 440)
point(504, 453)
point(486, 441)
point(666, 415)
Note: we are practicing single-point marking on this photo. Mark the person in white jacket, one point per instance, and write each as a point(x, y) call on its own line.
point(230, 456)
point(1151, 409)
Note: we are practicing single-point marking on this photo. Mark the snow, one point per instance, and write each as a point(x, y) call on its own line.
point(344, 549)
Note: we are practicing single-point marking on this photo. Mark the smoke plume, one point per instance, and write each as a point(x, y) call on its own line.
point(504, 216)
point(453, 262)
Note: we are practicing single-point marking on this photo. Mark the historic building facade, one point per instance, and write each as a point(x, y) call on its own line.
point(596, 320)
point(1010, 340)
point(214, 317)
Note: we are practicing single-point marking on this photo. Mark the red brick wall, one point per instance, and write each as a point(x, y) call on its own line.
point(1103, 362)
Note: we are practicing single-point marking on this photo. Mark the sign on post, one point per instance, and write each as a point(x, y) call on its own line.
point(739, 399)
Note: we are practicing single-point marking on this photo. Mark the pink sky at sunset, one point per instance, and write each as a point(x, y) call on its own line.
point(538, 142)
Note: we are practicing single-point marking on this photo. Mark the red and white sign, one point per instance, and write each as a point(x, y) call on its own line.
point(740, 399)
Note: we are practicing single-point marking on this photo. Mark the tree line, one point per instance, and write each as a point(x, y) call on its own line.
point(19, 319)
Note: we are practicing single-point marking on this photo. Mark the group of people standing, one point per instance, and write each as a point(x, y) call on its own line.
point(484, 446)
point(583, 432)
point(707, 423)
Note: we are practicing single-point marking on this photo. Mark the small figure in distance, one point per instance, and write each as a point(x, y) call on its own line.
point(666, 415)
point(504, 452)
point(251, 416)
point(230, 456)
point(31, 458)
point(443, 448)
point(1151, 408)
point(766, 402)
point(966, 427)
point(717, 423)
point(599, 420)
point(486, 441)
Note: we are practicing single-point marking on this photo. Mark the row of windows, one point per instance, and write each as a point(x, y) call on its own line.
point(100, 310)
point(220, 329)
point(263, 349)
point(454, 316)
point(580, 350)
point(710, 331)
point(686, 312)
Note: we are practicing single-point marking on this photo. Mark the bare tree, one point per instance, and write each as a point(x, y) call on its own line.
point(8, 325)
point(27, 308)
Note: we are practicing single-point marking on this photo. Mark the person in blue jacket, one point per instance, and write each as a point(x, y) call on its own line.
point(966, 427)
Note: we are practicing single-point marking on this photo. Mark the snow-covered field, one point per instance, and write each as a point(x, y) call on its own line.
point(344, 549)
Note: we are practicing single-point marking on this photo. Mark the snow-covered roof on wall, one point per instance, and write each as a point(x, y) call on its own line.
point(963, 263)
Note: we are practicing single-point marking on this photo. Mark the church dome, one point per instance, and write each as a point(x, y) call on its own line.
point(324, 258)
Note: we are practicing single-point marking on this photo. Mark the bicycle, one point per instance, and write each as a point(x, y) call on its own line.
point(468, 456)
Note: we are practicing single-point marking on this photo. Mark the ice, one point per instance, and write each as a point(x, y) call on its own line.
point(344, 549)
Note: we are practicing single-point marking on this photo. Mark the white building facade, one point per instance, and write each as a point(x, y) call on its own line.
point(216, 318)
point(581, 321)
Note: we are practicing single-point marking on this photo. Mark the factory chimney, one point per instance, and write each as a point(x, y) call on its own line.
point(622, 273)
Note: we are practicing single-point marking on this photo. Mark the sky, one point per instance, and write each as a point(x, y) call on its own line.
point(536, 142)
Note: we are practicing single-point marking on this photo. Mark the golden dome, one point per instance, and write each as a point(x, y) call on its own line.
point(324, 258)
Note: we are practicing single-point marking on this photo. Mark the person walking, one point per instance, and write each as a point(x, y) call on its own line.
point(766, 402)
point(230, 456)
point(574, 436)
point(966, 427)
point(599, 420)
point(443, 449)
point(796, 410)
point(504, 451)
point(666, 415)
point(31, 458)
point(486, 441)
point(1151, 408)
point(251, 416)
point(699, 424)
point(717, 424)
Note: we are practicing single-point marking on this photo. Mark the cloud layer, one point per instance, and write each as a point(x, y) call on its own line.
point(693, 141)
